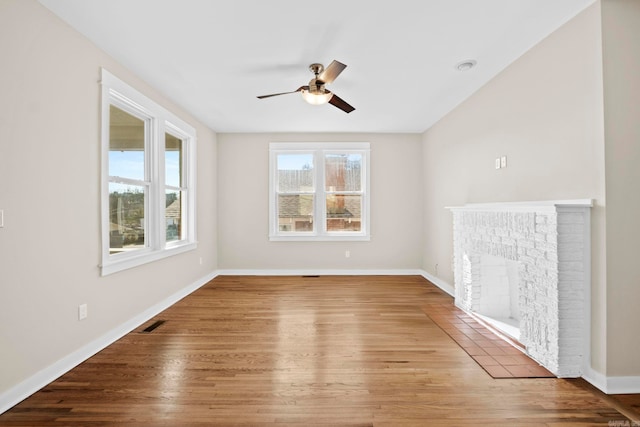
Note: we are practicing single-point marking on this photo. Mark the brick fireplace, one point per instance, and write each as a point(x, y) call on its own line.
point(527, 265)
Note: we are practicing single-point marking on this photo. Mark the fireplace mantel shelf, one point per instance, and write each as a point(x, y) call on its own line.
point(543, 205)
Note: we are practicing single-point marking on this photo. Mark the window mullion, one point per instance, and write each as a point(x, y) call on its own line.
point(158, 167)
point(171, 187)
point(320, 196)
point(121, 180)
point(189, 182)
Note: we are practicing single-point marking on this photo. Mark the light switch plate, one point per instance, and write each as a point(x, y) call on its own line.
point(82, 311)
point(498, 163)
point(503, 161)
point(1, 218)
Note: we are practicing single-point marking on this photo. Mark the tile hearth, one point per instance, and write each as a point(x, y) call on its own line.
point(497, 356)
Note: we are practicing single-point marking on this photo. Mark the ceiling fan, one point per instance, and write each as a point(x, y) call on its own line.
point(315, 92)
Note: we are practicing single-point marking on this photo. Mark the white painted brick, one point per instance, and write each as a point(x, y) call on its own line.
point(514, 234)
point(569, 349)
point(551, 256)
point(546, 246)
point(553, 275)
point(571, 357)
point(526, 243)
point(570, 229)
point(569, 255)
point(571, 295)
point(548, 249)
point(527, 260)
point(540, 237)
point(571, 218)
point(575, 266)
point(509, 241)
point(546, 264)
point(571, 313)
point(543, 228)
point(502, 232)
point(571, 247)
point(566, 276)
point(535, 253)
point(570, 238)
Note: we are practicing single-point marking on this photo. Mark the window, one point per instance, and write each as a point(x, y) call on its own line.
point(148, 163)
point(319, 191)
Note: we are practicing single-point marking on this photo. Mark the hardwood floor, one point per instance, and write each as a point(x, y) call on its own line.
point(341, 350)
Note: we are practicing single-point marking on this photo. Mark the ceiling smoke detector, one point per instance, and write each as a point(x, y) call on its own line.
point(466, 65)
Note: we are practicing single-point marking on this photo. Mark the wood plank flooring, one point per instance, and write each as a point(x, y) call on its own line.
point(332, 350)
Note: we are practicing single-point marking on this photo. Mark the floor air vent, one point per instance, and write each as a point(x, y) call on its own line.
point(153, 326)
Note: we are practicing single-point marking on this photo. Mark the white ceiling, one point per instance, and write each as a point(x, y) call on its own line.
point(212, 57)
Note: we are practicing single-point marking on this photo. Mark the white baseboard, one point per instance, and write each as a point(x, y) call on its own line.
point(623, 385)
point(26, 388)
point(318, 272)
point(595, 378)
point(447, 287)
point(612, 385)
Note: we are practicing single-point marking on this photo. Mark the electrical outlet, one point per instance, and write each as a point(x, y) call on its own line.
point(503, 161)
point(82, 311)
point(347, 254)
point(1, 218)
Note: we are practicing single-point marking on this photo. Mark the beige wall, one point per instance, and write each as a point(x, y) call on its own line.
point(544, 112)
point(621, 52)
point(49, 191)
point(243, 214)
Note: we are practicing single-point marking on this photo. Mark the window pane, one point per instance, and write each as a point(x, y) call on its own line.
point(126, 217)
point(173, 160)
point(126, 145)
point(295, 212)
point(342, 172)
point(344, 212)
point(173, 215)
point(295, 173)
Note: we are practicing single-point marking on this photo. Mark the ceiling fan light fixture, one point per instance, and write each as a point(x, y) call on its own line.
point(316, 98)
point(315, 93)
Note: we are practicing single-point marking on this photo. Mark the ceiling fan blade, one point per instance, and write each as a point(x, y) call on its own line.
point(332, 71)
point(340, 103)
point(283, 93)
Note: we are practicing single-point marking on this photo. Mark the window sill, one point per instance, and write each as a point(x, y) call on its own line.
point(114, 266)
point(309, 238)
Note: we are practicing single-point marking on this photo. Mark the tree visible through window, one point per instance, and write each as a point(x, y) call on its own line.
point(148, 176)
point(128, 186)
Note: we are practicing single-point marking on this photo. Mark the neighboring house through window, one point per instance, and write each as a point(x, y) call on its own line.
point(319, 191)
point(148, 179)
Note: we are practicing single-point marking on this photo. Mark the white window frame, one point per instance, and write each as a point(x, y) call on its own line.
point(319, 150)
point(158, 121)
